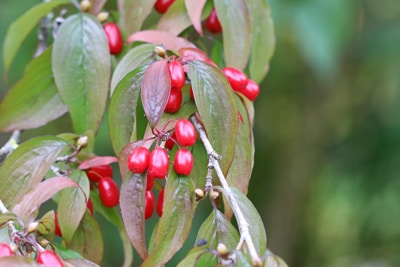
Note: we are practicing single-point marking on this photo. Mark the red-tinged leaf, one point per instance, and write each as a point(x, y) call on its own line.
point(27, 166)
point(19, 261)
point(97, 161)
point(174, 226)
point(37, 195)
point(262, 39)
point(194, 10)
point(191, 53)
point(88, 240)
point(169, 40)
point(28, 102)
point(243, 161)
point(175, 20)
point(80, 263)
point(136, 57)
point(234, 16)
point(132, 209)
point(217, 108)
point(122, 114)
point(156, 86)
point(97, 6)
point(133, 13)
point(20, 29)
point(72, 205)
point(81, 68)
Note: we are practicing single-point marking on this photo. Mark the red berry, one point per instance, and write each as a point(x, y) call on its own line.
point(174, 101)
point(49, 259)
point(237, 79)
point(177, 74)
point(148, 204)
point(183, 163)
point(89, 205)
point(57, 225)
point(169, 144)
point(160, 203)
point(185, 133)
point(158, 163)
point(114, 37)
point(138, 160)
point(149, 181)
point(212, 22)
point(96, 173)
point(191, 93)
point(252, 90)
point(162, 5)
point(5, 250)
point(108, 191)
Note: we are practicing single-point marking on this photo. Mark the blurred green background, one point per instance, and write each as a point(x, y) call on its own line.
point(327, 133)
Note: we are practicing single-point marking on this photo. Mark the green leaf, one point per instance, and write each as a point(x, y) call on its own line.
point(81, 263)
point(262, 39)
point(6, 217)
point(195, 257)
point(46, 225)
point(133, 13)
point(30, 203)
point(88, 240)
point(136, 57)
point(234, 16)
point(66, 253)
point(242, 165)
point(242, 259)
point(81, 67)
point(176, 19)
point(19, 29)
point(28, 102)
point(27, 166)
point(132, 199)
point(273, 261)
point(72, 204)
point(122, 110)
point(156, 86)
point(216, 104)
point(20, 261)
point(175, 223)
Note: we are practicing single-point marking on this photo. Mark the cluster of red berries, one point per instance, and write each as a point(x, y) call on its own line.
point(241, 83)
point(45, 257)
point(177, 75)
point(156, 162)
point(101, 176)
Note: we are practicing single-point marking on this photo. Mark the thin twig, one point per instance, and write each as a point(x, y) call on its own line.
point(241, 220)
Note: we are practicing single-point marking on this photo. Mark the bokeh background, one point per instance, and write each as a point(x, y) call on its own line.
point(327, 132)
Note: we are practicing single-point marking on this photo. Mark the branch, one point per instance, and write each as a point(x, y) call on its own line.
point(241, 220)
point(10, 146)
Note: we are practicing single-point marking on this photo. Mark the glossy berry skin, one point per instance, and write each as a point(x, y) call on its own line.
point(185, 133)
point(49, 259)
point(138, 160)
point(212, 23)
point(158, 163)
point(162, 5)
point(114, 37)
point(5, 250)
point(174, 101)
point(160, 203)
point(237, 79)
point(148, 204)
point(183, 162)
point(252, 90)
point(177, 74)
point(108, 191)
point(96, 173)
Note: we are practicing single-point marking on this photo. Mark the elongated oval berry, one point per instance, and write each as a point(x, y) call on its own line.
point(49, 259)
point(212, 22)
point(5, 250)
point(252, 90)
point(177, 74)
point(158, 163)
point(174, 101)
point(109, 192)
point(96, 173)
point(162, 5)
point(160, 203)
point(183, 162)
point(138, 160)
point(114, 37)
point(237, 78)
point(148, 204)
point(185, 133)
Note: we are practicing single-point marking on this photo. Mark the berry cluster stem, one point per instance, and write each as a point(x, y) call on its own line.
point(241, 220)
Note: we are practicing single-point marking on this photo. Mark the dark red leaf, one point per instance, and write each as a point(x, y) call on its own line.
point(97, 161)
